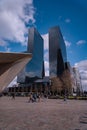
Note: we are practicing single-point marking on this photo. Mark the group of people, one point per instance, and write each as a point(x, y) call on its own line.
point(34, 97)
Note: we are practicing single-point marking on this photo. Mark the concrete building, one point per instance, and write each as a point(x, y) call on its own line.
point(10, 65)
point(77, 80)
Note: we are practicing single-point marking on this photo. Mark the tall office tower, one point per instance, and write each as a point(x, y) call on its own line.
point(35, 46)
point(35, 68)
point(57, 52)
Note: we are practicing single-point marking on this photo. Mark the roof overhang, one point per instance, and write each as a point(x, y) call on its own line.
point(10, 65)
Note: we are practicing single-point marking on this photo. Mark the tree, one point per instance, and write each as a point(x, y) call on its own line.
point(62, 84)
point(67, 82)
point(56, 85)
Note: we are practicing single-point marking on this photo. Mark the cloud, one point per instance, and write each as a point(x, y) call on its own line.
point(47, 68)
point(82, 66)
point(67, 43)
point(47, 64)
point(2, 43)
point(14, 15)
point(81, 42)
point(45, 37)
point(46, 54)
point(46, 47)
point(61, 18)
point(7, 49)
point(47, 73)
point(67, 20)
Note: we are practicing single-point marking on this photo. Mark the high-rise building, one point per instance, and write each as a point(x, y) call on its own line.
point(77, 80)
point(35, 46)
point(57, 52)
point(35, 68)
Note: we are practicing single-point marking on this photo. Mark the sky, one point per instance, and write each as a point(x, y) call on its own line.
point(16, 16)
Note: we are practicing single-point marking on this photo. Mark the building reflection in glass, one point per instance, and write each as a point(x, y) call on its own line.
point(57, 52)
point(35, 46)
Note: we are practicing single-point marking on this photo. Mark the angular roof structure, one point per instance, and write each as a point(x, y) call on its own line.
point(10, 65)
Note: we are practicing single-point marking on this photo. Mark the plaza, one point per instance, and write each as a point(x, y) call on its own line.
point(48, 114)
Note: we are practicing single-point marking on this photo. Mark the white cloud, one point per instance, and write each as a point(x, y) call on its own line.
point(46, 54)
point(14, 14)
point(7, 49)
point(82, 66)
point(47, 73)
point(46, 68)
point(45, 37)
point(81, 42)
point(67, 43)
point(67, 20)
point(47, 64)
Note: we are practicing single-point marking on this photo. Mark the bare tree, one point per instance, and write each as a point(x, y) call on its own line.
point(67, 82)
point(56, 85)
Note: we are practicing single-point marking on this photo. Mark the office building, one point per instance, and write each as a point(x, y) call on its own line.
point(57, 52)
point(35, 46)
point(35, 68)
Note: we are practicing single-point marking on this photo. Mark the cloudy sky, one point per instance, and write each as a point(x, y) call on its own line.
point(16, 16)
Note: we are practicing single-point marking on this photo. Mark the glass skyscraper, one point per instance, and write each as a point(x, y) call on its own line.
point(35, 46)
point(35, 68)
point(57, 52)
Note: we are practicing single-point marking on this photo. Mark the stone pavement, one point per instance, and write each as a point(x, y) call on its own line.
point(50, 114)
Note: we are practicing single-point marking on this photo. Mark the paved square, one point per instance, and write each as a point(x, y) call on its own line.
point(49, 114)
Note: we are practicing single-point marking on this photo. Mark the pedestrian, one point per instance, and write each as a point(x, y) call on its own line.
point(30, 98)
point(39, 98)
point(65, 98)
point(13, 95)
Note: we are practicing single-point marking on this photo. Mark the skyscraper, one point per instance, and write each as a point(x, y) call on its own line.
point(35, 68)
point(57, 52)
point(35, 46)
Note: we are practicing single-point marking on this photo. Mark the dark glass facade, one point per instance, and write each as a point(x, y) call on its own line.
point(57, 52)
point(35, 46)
point(35, 67)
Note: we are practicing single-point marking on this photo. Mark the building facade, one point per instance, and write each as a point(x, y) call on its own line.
point(35, 46)
point(57, 52)
point(10, 65)
point(35, 68)
point(77, 79)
